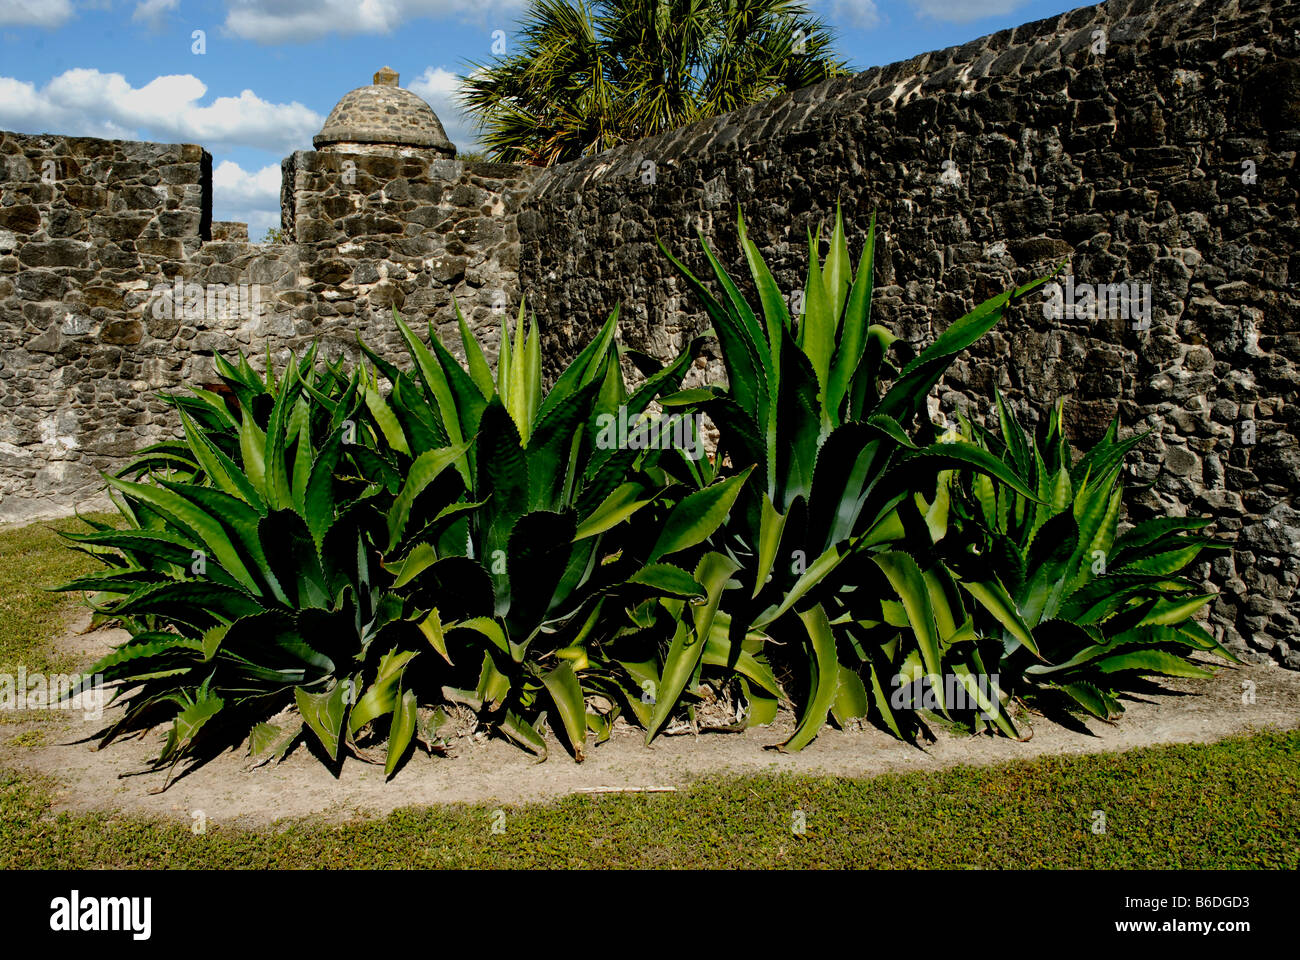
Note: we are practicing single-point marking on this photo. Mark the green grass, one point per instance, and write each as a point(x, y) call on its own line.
point(1230, 804)
point(32, 558)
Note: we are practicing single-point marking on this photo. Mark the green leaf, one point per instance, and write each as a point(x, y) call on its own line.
point(1062, 495)
point(818, 327)
point(541, 569)
point(303, 458)
point(252, 448)
point(424, 471)
point(687, 646)
point(816, 572)
point(762, 709)
point(1151, 661)
point(435, 382)
point(270, 742)
point(132, 653)
point(744, 354)
point(279, 495)
point(613, 510)
point(995, 599)
point(318, 498)
point(881, 700)
point(718, 653)
point(667, 578)
point(1164, 563)
point(479, 370)
point(324, 713)
point(431, 627)
point(523, 733)
point(989, 708)
point(909, 583)
point(1151, 531)
point(837, 273)
point(387, 420)
point(519, 387)
point(223, 471)
point(696, 518)
point(1013, 435)
point(1169, 612)
point(553, 450)
point(907, 395)
point(771, 527)
point(421, 557)
point(493, 685)
point(776, 315)
point(825, 674)
point(190, 517)
point(188, 723)
point(850, 698)
point(856, 323)
point(562, 684)
point(485, 626)
point(1087, 696)
point(405, 721)
point(381, 696)
point(584, 367)
point(961, 455)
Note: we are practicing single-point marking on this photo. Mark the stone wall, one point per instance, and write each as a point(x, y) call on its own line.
point(1139, 142)
point(84, 225)
point(115, 285)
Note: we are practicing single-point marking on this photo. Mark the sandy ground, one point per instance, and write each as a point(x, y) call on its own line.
point(494, 771)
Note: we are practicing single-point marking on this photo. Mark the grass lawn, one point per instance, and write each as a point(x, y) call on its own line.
point(32, 558)
point(1235, 803)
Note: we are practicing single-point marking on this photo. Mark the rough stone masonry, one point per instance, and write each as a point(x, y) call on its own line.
point(1143, 143)
point(1139, 142)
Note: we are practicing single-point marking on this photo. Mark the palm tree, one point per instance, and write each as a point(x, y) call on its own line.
point(592, 74)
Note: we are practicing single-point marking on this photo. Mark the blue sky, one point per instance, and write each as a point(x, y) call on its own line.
point(270, 70)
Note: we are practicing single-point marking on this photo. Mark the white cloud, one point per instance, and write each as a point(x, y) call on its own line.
point(35, 13)
point(86, 102)
point(280, 21)
point(964, 11)
point(438, 86)
point(859, 14)
point(252, 198)
point(154, 11)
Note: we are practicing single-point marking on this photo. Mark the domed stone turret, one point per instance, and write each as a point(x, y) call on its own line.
point(383, 115)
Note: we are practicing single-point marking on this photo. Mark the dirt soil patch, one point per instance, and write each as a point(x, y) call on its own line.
point(493, 771)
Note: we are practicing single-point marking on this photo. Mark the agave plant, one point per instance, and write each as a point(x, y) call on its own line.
point(250, 573)
point(1101, 607)
point(850, 487)
point(314, 535)
point(322, 557)
point(573, 553)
